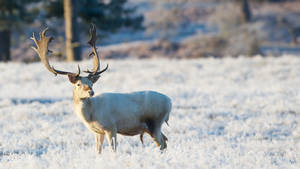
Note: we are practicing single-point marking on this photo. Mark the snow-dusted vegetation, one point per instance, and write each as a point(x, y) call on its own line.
point(227, 113)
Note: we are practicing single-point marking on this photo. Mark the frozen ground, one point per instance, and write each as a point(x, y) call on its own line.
point(227, 113)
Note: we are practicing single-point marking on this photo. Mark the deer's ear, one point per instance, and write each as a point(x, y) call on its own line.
point(94, 78)
point(73, 78)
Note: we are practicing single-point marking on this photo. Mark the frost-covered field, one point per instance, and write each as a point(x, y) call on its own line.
point(227, 113)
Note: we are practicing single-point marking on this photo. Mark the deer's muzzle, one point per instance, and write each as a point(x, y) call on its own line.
point(91, 92)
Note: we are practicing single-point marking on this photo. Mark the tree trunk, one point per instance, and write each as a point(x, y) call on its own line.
point(4, 45)
point(73, 48)
point(246, 11)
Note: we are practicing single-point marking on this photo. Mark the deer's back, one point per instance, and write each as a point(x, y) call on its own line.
point(133, 106)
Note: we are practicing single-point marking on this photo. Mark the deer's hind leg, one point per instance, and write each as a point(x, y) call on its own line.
point(165, 139)
point(145, 129)
point(154, 129)
point(159, 139)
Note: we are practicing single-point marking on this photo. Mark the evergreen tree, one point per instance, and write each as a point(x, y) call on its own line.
point(246, 11)
point(109, 16)
point(12, 14)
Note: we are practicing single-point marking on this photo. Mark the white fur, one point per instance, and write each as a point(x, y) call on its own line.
point(128, 113)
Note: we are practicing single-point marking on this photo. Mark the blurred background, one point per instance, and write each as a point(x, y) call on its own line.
point(151, 28)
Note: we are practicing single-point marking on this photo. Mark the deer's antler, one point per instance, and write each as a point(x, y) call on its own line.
point(42, 50)
point(96, 62)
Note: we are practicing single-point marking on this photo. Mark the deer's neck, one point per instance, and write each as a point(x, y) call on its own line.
point(76, 99)
point(83, 107)
point(85, 110)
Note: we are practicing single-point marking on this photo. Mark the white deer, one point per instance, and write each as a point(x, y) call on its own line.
point(111, 113)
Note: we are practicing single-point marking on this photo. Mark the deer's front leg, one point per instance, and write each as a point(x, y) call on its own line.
point(111, 136)
point(99, 142)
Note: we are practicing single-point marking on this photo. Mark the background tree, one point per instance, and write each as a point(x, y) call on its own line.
point(246, 11)
point(73, 49)
point(13, 13)
point(108, 17)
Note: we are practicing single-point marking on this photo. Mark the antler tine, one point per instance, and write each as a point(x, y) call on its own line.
point(96, 61)
point(92, 43)
point(98, 73)
point(42, 50)
point(78, 73)
point(43, 33)
point(93, 34)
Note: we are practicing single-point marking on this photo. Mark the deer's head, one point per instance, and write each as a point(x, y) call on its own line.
point(82, 85)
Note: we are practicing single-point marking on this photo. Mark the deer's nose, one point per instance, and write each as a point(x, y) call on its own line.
point(91, 92)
